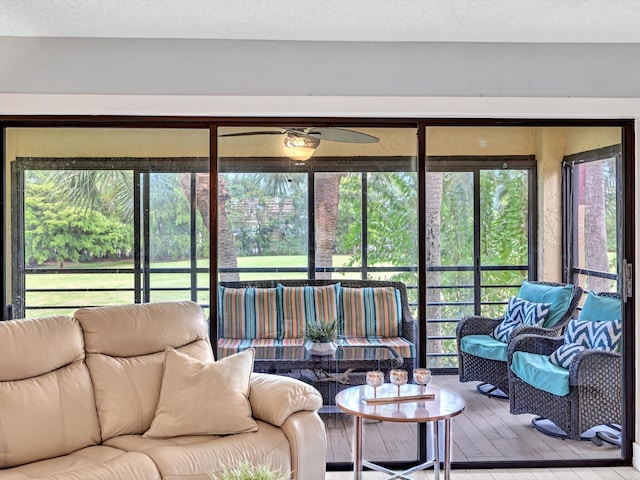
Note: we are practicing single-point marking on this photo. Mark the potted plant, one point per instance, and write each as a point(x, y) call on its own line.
point(320, 337)
point(246, 471)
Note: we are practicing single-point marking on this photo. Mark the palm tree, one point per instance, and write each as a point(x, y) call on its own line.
point(327, 199)
point(595, 232)
point(433, 209)
point(227, 253)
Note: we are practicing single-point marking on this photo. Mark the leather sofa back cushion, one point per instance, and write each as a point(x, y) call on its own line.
point(130, 330)
point(27, 346)
point(47, 416)
point(127, 388)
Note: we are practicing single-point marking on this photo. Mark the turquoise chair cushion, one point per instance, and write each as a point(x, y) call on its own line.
point(597, 307)
point(559, 297)
point(540, 373)
point(484, 346)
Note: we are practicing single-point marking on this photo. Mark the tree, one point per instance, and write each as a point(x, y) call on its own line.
point(111, 193)
point(227, 256)
point(327, 200)
point(595, 233)
point(56, 232)
point(433, 220)
point(269, 214)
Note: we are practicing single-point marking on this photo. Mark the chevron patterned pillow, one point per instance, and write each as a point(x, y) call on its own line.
point(583, 334)
point(602, 335)
point(520, 312)
point(565, 353)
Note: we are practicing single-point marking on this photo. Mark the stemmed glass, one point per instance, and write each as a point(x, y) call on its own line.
point(375, 379)
point(398, 377)
point(422, 376)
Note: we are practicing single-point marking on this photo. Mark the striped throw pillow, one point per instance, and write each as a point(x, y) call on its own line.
point(370, 312)
point(308, 304)
point(249, 312)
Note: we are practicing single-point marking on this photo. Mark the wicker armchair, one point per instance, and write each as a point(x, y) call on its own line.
point(595, 387)
point(495, 372)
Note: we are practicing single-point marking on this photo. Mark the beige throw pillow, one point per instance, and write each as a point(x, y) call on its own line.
point(204, 398)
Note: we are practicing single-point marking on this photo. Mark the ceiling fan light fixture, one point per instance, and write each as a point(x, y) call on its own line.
point(300, 147)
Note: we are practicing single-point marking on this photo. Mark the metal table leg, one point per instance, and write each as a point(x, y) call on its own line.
point(436, 451)
point(357, 448)
point(447, 448)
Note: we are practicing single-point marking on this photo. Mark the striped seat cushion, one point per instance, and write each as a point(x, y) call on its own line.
point(250, 312)
point(404, 347)
point(289, 348)
point(370, 312)
point(308, 304)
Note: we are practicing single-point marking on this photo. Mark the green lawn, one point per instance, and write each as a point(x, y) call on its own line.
point(60, 286)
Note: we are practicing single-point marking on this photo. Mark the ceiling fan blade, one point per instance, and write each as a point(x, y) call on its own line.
point(246, 134)
point(334, 134)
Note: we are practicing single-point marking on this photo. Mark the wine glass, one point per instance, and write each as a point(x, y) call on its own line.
point(398, 377)
point(375, 378)
point(422, 376)
point(398, 413)
point(421, 410)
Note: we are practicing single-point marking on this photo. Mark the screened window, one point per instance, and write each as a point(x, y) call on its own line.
point(592, 230)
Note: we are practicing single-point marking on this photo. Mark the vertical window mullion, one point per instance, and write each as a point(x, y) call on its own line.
point(311, 247)
point(364, 222)
point(18, 284)
point(137, 244)
point(146, 236)
point(477, 232)
point(192, 239)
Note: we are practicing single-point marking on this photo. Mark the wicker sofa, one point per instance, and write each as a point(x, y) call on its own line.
point(279, 319)
point(80, 396)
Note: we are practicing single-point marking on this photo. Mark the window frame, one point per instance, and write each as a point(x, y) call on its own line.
point(570, 270)
point(627, 126)
point(140, 169)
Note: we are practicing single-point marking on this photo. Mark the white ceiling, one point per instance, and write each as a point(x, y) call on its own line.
point(556, 21)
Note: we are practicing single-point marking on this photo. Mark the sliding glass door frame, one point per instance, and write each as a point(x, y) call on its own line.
point(627, 211)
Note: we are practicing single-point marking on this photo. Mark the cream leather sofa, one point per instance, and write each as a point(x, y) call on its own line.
point(77, 394)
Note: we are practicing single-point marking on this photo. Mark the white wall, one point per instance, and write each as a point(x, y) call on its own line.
point(546, 21)
point(277, 68)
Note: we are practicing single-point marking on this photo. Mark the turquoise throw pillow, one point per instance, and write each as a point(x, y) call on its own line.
point(598, 307)
point(558, 296)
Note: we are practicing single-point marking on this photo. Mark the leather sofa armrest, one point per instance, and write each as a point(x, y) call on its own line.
point(274, 398)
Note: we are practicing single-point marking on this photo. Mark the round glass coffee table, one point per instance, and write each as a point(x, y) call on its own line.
point(443, 406)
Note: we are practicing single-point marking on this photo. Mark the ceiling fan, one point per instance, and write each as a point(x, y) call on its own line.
point(302, 142)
